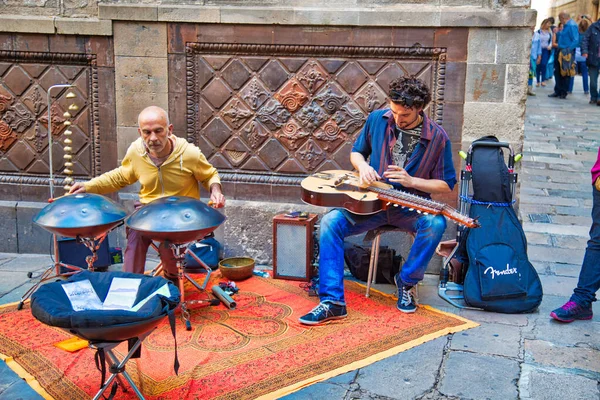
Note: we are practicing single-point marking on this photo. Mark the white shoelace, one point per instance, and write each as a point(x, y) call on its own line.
point(408, 296)
point(321, 306)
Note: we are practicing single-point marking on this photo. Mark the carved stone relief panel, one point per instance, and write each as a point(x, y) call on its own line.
point(276, 113)
point(25, 79)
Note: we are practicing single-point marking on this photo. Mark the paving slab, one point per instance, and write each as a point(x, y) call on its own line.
point(415, 372)
point(541, 384)
point(554, 254)
point(558, 285)
point(26, 262)
point(495, 318)
point(546, 353)
point(475, 376)
point(12, 387)
point(491, 339)
point(319, 391)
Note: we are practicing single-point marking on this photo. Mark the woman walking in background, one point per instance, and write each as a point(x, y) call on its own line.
point(584, 24)
point(550, 66)
point(546, 44)
point(534, 61)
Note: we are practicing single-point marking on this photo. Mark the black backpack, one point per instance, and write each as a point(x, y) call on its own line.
point(500, 277)
point(358, 258)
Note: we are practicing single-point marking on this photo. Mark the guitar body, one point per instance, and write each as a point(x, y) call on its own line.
point(320, 189)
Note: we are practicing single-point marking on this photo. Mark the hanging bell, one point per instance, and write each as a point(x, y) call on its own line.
point(68, 149)
point(68, 132)
point(73, 107)
point(67, 114)
point(71, 95)
point(67, 156)
point(68, 164)
point(68, 141)
point(67, 123)
point(68, 171)
point(68, 179)
point(67, 188)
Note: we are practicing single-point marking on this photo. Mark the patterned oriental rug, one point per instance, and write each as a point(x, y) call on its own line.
point(258, 350)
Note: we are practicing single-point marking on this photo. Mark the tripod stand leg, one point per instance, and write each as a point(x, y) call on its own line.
point(47, 275)
point(203, 265)
point(105, 386)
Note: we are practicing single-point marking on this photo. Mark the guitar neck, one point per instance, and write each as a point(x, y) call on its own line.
point(422, 204)
point(408, 200)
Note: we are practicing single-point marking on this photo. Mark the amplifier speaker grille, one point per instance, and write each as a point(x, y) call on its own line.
point(293, 247)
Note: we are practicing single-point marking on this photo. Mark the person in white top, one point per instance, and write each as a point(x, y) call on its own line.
point(546, 45)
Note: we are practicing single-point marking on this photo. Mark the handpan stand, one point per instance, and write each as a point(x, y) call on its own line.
point(177, 221)
point(105, 329)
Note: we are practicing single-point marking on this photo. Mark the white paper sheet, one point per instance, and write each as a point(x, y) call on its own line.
point(122, 293)
point(163, 290)
point(82, 295)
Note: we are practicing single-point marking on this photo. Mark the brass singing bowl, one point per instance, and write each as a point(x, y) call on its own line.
point(84, 215)
point(175, 219)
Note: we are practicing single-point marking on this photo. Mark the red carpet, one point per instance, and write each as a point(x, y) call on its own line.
point(258, 349)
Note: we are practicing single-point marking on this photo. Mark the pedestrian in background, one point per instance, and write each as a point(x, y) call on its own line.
point(579, 305)
point(550, 65)
point(534, 61)
point(546, 45)
point(580, 59)
point(590, 45)
point(564, 59)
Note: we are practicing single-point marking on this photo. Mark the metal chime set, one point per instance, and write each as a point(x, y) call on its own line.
point(68, 156)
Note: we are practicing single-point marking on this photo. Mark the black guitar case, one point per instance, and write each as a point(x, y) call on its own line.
point(500, 277)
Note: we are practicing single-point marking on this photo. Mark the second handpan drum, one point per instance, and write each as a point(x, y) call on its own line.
point(176, 219)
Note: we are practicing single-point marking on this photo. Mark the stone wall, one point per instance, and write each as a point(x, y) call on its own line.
point(485, 45)
point(89, 8)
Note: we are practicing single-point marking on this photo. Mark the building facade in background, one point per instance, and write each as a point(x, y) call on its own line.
point(575, 8)
point(270, 91)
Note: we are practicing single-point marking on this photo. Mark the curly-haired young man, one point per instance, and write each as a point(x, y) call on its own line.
point(410, 151)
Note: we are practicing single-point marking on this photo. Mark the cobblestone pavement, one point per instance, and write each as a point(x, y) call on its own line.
point(507, 356)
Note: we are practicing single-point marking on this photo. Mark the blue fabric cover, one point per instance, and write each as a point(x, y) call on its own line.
point(51, 306)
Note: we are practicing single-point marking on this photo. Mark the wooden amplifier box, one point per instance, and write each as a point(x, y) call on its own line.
point(293, 247)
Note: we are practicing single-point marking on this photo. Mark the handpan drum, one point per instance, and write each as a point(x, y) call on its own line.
point(176, 219)
point(83, 215)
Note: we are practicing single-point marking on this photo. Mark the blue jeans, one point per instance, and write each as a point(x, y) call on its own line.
point(532, 70)
point(593, 70)
point(541, 69)
point(583, 70)
point(339, 224)
point(589, 276)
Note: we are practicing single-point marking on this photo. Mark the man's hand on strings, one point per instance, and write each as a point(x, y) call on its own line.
point(399, 175)
point(367, 174)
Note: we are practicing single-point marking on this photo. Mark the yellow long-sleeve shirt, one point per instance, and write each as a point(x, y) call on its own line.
point(177, 176)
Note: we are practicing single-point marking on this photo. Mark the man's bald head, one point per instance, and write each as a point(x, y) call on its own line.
point(155, 130)
point(564, 16)
point(153, 112)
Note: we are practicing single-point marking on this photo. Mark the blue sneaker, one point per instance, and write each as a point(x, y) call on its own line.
point(406, 297)
point(324, 312)
point(571, 311)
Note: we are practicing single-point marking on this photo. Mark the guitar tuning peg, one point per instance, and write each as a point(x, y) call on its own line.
point(419, 211)
point(425, 213)
point(395, 205)
point(387, 204)
point(411, 209)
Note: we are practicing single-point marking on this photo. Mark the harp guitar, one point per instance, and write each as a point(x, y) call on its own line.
point(338, 188)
